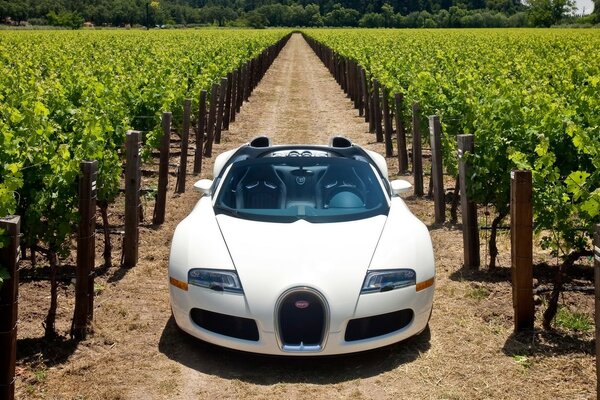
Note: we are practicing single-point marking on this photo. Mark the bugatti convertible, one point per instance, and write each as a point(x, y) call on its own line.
point(301, 250)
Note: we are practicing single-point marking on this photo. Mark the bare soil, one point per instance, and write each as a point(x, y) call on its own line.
point(136, 352)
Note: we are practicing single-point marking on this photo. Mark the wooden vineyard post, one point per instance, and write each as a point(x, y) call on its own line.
point(466, 143)
point(86, 251)
point(417, 153)
point(387, 123)
point(521, 244)
point(200, 133)
point(220, 111)
point(253, 67)
point(239, 90)
point(435, 132)
point(401, 135)
point(227, 113)
point(9, 301)
point(371, 112)
point(597, 304)
point(365, 95)
point(344, 76)
point(163, 171)
point(357, 88)
point(377, 112)
point(132, 199)
point(248, 80)
point(234, 95)
point(185, 137)
point(212, 116)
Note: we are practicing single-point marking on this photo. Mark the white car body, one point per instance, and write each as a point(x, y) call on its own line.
point(295, 274)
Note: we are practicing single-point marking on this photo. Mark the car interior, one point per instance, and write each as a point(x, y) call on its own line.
point(281, 186)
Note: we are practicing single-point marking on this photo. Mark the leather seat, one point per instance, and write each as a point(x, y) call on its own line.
point(260, 188)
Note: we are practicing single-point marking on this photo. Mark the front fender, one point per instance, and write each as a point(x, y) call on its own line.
point(405, 243)
point(198, 243)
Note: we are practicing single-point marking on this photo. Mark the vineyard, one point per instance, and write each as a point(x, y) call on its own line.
point(529, 97)
point(67, 97)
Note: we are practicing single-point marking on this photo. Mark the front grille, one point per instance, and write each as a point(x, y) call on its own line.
point(377, 325)
point(228, 325)
point(302, 320)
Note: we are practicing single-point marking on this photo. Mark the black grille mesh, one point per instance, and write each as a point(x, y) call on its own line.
point(301, 319)
point(228, 325)
point(377, 325)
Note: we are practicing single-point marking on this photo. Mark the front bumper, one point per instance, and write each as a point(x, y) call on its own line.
point(183, 302)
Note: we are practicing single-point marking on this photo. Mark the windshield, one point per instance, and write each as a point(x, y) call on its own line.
point(316, 189)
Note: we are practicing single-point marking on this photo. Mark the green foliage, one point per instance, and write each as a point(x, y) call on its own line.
point(71, 96)
point(169, 13)
point(549, 12)
point(572, 320)
point(523, 361)
point(256, 20)
point(71, 20)
point(478, 293)
point(530, 97)
point(371, 20)
point(340, 16)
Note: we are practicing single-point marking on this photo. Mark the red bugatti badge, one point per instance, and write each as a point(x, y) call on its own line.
point(301, 304)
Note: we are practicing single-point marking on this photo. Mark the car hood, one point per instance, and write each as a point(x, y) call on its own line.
point(271, 258)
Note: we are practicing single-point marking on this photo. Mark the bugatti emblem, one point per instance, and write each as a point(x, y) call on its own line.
point(301, 304)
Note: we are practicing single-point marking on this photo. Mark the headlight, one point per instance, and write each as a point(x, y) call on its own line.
point(219, 280)
point(386, 280)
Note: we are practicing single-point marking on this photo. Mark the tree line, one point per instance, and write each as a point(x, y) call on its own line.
point(305, 13)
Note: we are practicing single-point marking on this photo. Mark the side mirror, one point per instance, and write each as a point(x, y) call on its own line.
point(400, 186)
point(203, 186)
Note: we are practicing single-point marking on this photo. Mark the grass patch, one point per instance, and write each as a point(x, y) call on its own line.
point(523, 361)
point(478, 293)
point(572, 320)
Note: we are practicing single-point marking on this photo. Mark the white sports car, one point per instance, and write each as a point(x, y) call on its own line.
point(301, 250)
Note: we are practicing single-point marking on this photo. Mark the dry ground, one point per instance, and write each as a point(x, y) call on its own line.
point(137, 353)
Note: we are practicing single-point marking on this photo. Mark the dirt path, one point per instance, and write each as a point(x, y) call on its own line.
point(137, 353)
point(297, 102)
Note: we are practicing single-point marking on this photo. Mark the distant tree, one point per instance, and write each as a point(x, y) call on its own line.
point(67, 19)
point(505, 6)
point(18, 11)
point(4, 10)
point(126, 12)
point(275, 15)
point(387, 12)
point(443, 19)
point(371, 20)
point(518, 20)
point(313, 15)
point(456, 15)
point(340, 16)
point(549, 12)
point(99, 14)
point(254, 19)
point(218, 14)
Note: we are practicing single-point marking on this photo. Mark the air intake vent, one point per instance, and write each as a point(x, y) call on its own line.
point(260, 141)
point(340, 142)
point(228, 325)
point(377, 325)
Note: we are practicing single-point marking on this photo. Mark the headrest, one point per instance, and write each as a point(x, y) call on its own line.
point(340, 141)
point(260, 141)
